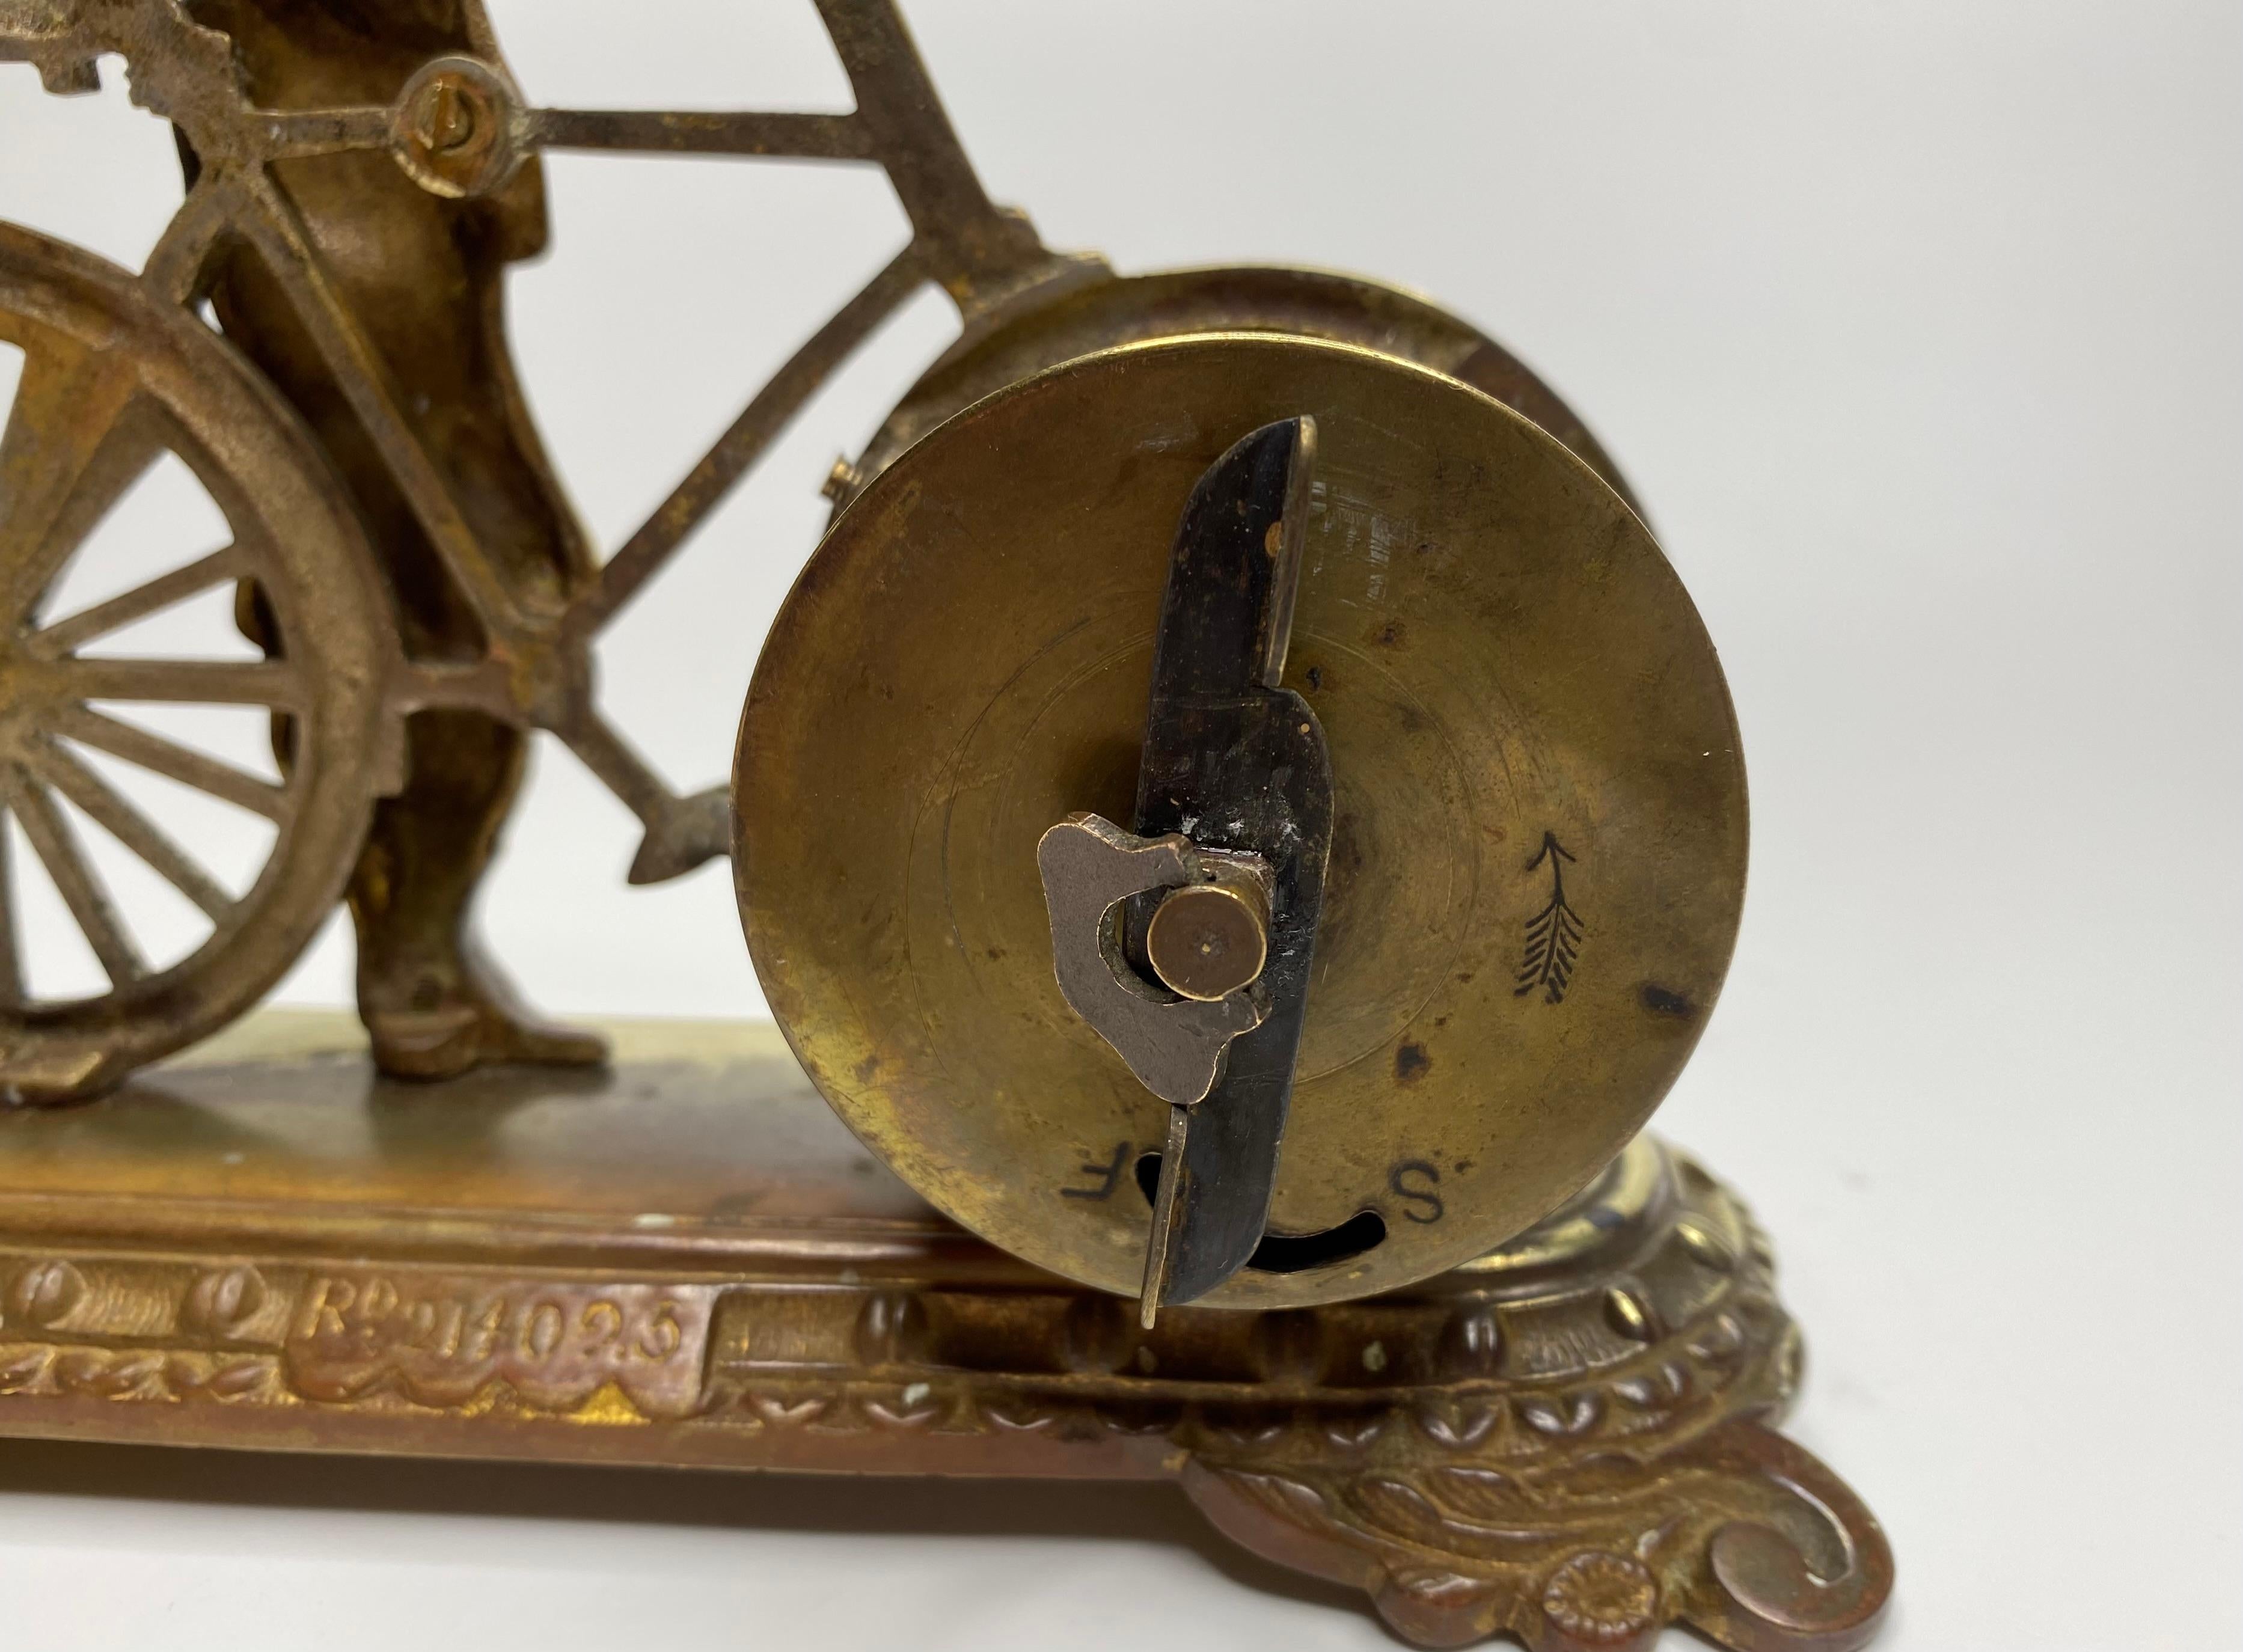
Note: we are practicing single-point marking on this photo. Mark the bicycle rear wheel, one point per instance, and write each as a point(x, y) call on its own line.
point(111, 381)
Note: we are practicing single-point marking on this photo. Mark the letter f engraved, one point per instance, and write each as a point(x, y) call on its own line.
point(1108, 1175)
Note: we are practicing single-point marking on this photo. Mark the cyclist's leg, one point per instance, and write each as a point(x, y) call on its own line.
point(425, 278)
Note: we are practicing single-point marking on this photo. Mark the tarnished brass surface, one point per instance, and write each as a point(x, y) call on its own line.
point(1089, 866)
point(111, 382)
point(359, 175)
point(687, 1261)
point(1563, 1435)
point(422, 271)
point(1018, 340)
point(1233, 760)
point(1514, 686)
point(1209, 939)
point(450, 132)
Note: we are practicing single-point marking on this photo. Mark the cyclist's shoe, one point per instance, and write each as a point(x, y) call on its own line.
point(480, 1024)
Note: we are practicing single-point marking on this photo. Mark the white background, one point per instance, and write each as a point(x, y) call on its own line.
point(1915, 325)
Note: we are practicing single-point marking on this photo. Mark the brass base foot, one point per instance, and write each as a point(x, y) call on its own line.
point(686, 1260)
point(1738, 1533)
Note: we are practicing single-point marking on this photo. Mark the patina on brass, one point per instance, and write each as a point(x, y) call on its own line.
point(360, 176)
point(1562, 1434)
point(1236, 762)
point(422, 270)
point(1231, 763)
point(687, 1261)
point(1513, 684)
point(109, 381)
point(1211, 939)
point(452, 129)
point(1089, 866)
point(1016, 341)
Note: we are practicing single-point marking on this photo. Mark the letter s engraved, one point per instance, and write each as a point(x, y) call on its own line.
point(1413, 1181)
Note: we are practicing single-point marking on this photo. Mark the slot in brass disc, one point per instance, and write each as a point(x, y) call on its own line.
point(1538, 855)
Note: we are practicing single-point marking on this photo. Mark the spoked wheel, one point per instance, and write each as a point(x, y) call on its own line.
point(96, 779)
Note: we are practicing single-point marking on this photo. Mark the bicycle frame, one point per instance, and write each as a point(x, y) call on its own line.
point(538, 671)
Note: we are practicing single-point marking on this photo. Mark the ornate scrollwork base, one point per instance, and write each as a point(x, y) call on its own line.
point(1740, 1533)
point(687, 1261)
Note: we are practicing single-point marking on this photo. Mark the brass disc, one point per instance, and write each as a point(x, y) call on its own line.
point(1538, 857)
point(1044, 331)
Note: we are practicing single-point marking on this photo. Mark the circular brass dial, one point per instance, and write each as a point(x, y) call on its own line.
point(1538, 852)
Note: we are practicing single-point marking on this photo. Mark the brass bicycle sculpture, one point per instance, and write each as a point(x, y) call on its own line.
point(421, 591)
point(1272, 595)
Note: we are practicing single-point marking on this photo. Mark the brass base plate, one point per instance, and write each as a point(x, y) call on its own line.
point(687, 1260)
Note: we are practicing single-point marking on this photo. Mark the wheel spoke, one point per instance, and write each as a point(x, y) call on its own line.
point(67, 636)
point(57, 847)
point(11, 967)
point(66, 456)
point(103, 805)
point(196, 682)
point(160, 756)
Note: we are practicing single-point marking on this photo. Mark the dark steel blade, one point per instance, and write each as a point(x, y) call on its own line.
point(1235, 762)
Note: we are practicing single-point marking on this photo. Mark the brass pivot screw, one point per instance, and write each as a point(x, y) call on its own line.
point(1207, 940)
point(453, 128)
point(443, 115)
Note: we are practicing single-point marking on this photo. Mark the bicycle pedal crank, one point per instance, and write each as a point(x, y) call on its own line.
point(682, 833)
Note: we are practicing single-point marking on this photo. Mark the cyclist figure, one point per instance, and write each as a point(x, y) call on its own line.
point(426, 276)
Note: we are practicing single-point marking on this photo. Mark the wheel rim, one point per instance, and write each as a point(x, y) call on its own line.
point(1317, 304)
point(110, 383)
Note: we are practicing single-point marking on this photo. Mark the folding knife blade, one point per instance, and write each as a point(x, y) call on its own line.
point(1235, 762)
